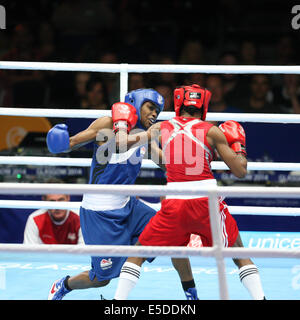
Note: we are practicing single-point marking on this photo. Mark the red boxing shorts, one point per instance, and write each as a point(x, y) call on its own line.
point(179, 218)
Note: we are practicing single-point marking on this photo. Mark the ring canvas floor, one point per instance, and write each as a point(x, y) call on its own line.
point(26, 276)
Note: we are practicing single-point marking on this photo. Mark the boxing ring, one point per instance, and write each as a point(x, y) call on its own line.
point(213, 269)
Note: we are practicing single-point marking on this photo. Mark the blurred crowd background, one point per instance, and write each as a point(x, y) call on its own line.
point(225, 32)
point(139, 31)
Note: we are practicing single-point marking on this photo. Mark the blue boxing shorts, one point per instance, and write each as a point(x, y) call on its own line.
point(113, 227)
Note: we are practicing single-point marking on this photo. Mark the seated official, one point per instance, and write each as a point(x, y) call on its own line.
point(53, 226)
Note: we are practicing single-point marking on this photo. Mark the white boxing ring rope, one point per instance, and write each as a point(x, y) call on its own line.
point(74, 205)
point(93, 114)
point(213, 193)
point(146, 68)
point(146, 164)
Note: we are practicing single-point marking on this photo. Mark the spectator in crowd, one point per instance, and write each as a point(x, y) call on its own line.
point(96, 94)
point(167, 92)
point(80, 83)
point(287, 96)
point(217, 102)
point(22, 45)
point(192, 53)
point(195, 78)
point(258, 99)
point(285, 51)
point(46, 42)
point(136, 81)
point(111, 80)
point(230, 81)
point(27, 87)
point(6, 93)
point(235, 85)
point(248, 53)
point(168, 77)
point(53, 226)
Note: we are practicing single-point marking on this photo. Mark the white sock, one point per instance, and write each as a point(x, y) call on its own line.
point(250, 278)
point(129, 276)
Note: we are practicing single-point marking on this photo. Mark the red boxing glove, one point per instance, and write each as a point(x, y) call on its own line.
point(235, 136)
point(124, 116)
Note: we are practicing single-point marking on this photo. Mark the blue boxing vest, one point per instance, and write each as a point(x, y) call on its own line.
point(109, 167)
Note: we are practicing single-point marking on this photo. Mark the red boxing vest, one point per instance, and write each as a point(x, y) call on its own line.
point(187, 152)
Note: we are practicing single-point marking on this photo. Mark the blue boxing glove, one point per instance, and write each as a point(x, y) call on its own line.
point(58, 138)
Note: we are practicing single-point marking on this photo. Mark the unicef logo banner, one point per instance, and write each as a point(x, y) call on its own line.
point(271, 240)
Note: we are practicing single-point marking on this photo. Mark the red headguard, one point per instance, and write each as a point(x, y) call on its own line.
point(193, 95)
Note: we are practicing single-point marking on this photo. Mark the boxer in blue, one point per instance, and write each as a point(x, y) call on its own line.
point(113, 219)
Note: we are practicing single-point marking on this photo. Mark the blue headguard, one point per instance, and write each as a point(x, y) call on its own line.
point(138, 97)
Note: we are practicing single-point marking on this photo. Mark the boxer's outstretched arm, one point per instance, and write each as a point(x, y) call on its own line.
point(91, 133)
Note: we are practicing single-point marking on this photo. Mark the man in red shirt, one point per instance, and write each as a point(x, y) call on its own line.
point(53, 226)
point(188, 143)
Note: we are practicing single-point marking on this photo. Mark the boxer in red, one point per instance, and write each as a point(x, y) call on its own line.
point(188, 143)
